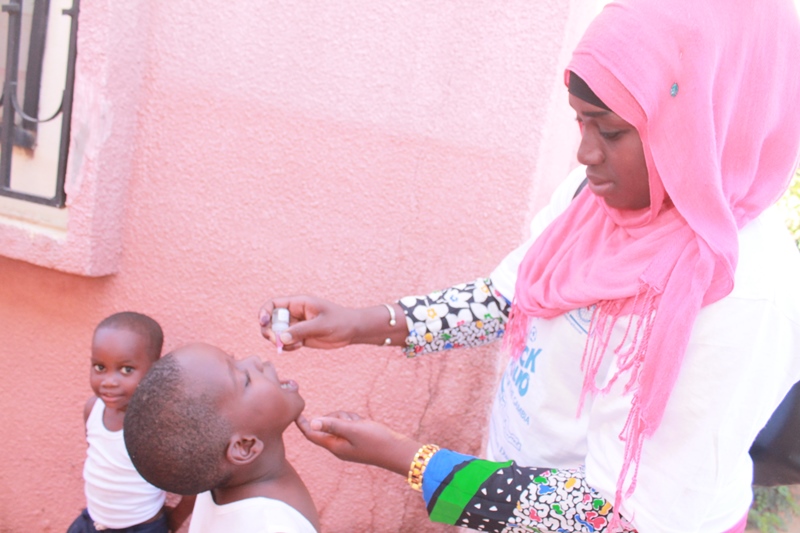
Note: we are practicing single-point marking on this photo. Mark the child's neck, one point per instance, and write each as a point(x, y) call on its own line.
point(269, 476)
point(113, 418)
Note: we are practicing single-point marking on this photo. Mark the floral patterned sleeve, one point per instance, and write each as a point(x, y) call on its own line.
point(505, 498)
point(465, 315)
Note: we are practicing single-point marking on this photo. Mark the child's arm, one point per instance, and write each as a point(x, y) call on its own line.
point(177, 515)
point(87, 409)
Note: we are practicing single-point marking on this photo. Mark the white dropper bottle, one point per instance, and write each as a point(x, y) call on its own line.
point(280, 322)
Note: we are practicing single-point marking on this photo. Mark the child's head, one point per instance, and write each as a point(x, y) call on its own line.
point(124, 345)
point(200, 415)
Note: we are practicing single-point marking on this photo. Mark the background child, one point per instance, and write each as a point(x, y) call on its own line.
point(204, 423)
point(124, 345)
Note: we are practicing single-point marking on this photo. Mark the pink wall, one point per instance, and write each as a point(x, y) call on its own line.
point(357, 150)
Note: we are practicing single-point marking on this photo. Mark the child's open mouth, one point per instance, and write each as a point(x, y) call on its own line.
point(290, 385)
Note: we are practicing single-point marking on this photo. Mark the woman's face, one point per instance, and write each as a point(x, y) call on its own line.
point(612, 152)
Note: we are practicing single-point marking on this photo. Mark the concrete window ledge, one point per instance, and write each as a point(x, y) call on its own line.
point(83, 238)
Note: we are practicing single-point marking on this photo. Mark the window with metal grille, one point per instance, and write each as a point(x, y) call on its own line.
point(39, 37)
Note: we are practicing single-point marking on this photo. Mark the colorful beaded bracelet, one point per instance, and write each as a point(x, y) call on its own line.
point(419, 464)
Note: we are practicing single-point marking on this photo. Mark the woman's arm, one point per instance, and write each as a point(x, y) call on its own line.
point(502, 496)
point(464, 315)
point(469, 492)
point(318, 323)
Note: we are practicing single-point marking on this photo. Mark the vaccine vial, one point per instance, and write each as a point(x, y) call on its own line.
point(280, 322)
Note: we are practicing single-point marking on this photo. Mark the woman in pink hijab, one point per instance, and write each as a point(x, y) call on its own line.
point(653, 320)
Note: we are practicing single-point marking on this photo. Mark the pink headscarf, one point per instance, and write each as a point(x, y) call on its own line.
point(712, 87)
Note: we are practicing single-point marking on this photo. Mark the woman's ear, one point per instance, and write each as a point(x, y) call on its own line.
point(243, 449)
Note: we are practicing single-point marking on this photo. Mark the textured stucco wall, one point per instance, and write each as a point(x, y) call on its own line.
point(359, 150)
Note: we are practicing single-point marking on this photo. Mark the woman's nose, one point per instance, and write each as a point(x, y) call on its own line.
point(589, 151)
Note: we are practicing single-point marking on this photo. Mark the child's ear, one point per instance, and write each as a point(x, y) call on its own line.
point(243, 449)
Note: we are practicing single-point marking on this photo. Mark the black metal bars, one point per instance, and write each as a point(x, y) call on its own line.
point(24, 134)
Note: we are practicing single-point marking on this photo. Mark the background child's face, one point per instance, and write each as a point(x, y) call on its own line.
point(249, 393)
point(119, 362)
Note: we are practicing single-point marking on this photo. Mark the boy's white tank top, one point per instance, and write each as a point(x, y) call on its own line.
point(116, 495)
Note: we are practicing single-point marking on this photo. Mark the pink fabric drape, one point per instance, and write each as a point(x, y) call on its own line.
point(712, 88)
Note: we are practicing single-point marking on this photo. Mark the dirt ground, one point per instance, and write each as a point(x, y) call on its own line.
point(792, 522)
point(793, 526)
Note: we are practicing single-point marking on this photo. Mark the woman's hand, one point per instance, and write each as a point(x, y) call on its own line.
point(318, 323)
point(352, 438)
point(313, 322)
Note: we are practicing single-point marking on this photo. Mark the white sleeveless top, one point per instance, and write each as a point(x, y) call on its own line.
point(116, 495)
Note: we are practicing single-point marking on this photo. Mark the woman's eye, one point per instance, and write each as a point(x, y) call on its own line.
point(98, 368)
point(127, 370)
point(610, 135)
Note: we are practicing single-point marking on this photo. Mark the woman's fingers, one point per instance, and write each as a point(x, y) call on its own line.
point(352, 438)
point(300, 308)
point(313, 322)
point(326, 440)
point(304, 425)
point(336, 432)
point(338, 423)
point(285, 302)
point(265, 315)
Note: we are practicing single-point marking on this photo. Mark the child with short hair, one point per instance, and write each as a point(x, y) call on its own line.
point(202, 422)
point(124, 346)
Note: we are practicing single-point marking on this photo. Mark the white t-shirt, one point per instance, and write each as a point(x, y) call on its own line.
point(251, 515)
point(695, 473)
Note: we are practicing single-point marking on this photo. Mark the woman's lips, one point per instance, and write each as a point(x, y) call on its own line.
point(599, 186)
